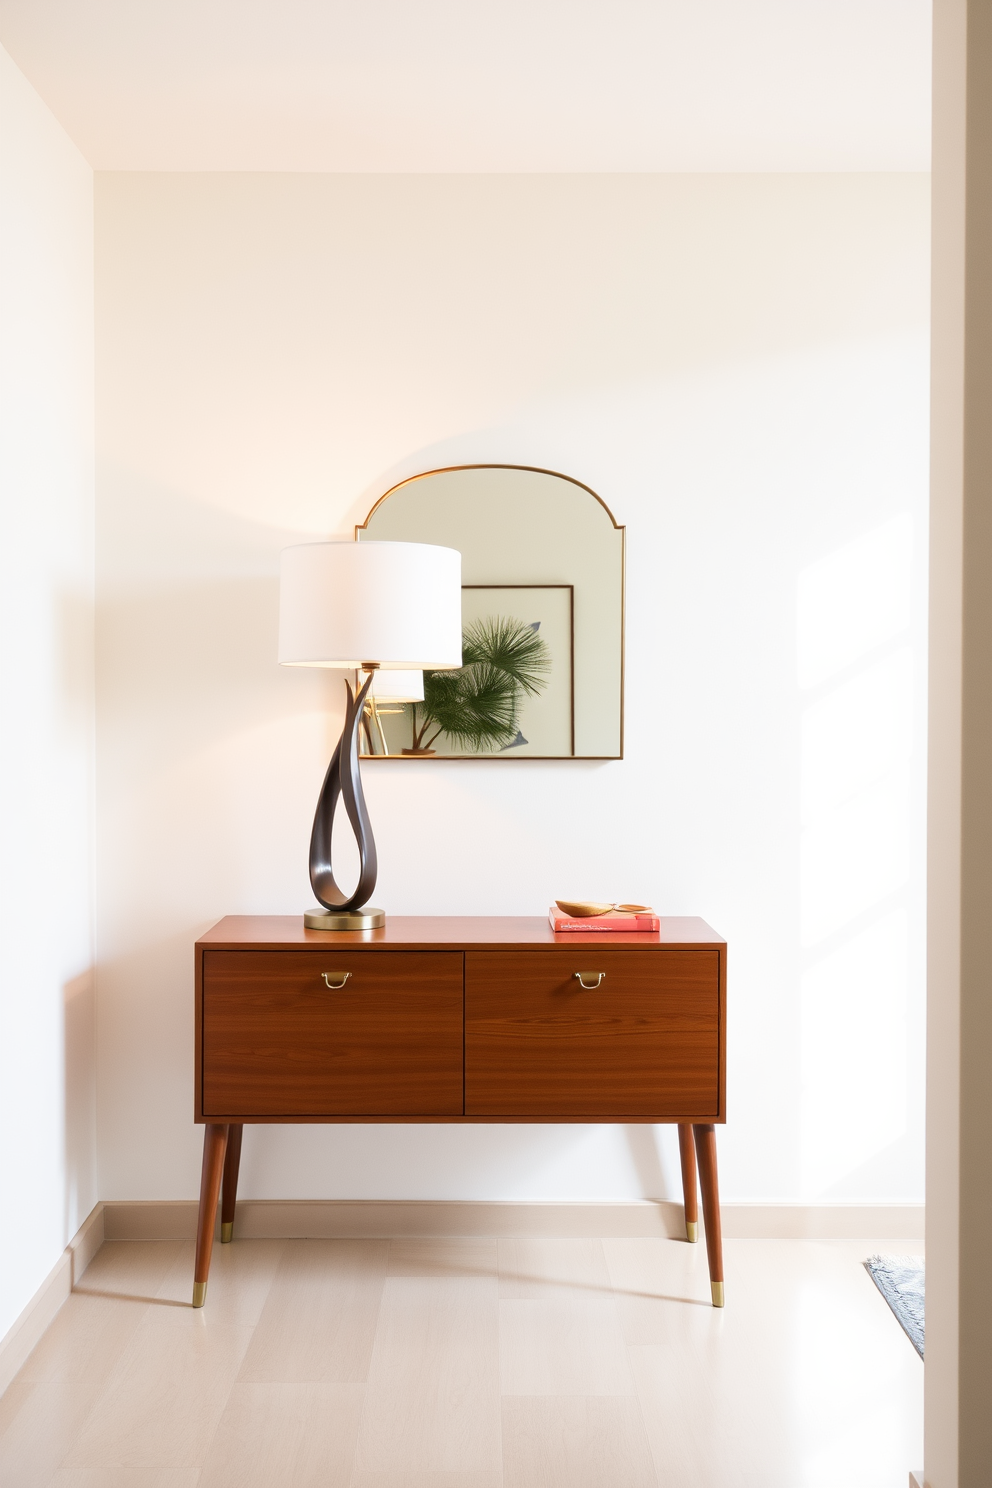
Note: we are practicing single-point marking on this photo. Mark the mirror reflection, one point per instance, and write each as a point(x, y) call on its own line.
point(542, 620)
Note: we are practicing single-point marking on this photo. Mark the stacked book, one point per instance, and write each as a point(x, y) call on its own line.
point(614, 922)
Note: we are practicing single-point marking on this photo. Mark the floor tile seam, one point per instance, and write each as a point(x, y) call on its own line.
point(456, 1269)
point(364, 1382)
point(70, 1379)
point(98, 1402)
point(259, 1306)
point(491, 1283)
point(533, 1290)
point(17, 1385)
point(600, 1312)
point(310, 1383)
point(196, 1466)
point(704, 1389)
point(240, 1378)
point(209, 1327)
point(611, 1341)
point(208, 1447)
point(661, 1469)
point(95, 1406)
point(569, 1394)
point(425, 1470)
point(383, 1347)
point(310, 1386)
point(84, 1421)
point(658, 1479)
point(633, 1276)
point(660, 1476)
point(555, 1294)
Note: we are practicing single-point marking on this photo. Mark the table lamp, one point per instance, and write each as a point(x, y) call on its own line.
point(363, 607)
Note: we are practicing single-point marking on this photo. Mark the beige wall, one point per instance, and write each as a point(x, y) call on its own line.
point(738, 366)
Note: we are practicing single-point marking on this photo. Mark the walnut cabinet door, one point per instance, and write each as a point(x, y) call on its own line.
point(332, 1033)
point(644, 1041)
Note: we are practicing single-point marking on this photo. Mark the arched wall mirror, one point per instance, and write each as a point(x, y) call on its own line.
point(542, 620)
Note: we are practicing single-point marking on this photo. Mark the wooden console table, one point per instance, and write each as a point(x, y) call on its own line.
point(458, 1020)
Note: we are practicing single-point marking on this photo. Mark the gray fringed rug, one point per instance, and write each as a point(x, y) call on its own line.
point(900, 1279)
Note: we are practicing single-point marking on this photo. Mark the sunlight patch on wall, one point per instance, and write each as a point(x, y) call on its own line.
point(854, 599)
point(854, 1053)
point(857, 756)
point(856, 752)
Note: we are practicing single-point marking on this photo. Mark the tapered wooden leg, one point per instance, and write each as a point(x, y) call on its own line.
point(687, 1153)
point(706, 1155)
point(214, 1149)
point(229, 1195)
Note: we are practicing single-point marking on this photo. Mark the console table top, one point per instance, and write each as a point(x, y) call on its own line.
point(462, 932)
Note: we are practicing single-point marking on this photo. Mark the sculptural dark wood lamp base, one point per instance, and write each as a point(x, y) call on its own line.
point(343, 782)
point(459, 1020)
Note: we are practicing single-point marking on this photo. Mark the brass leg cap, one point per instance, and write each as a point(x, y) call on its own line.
point(199, 1293)
point(716, 1287)
point(227, 1233)
point(692, 1231)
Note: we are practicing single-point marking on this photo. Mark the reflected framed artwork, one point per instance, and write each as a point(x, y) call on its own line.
point(489, 711)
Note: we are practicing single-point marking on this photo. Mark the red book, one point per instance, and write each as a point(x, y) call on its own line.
point(613, 923)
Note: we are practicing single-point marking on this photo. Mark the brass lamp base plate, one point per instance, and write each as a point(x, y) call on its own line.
point(355, 919)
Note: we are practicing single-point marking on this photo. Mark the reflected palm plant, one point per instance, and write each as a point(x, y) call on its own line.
point(503, 661)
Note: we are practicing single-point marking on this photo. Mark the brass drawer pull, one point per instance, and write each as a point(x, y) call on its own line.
point(590, 985)
point(340, 977)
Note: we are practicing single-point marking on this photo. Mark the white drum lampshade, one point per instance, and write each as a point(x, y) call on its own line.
point(362, 607)
point(396, 604)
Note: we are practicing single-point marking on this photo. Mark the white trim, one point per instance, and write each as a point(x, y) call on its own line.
point(259, 1219)
point(27, 1330)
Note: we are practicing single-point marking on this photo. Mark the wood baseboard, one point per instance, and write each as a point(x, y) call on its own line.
point(27, 1329)
point(262, 1219)
point(87, 1241)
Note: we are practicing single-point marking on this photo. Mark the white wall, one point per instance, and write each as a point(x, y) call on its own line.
point(738, 365)
point(47, 1050)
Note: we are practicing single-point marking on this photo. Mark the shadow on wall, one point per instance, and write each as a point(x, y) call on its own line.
point(651, 1177)
point(79, 1055)
point(75, 632)
point(200, 654)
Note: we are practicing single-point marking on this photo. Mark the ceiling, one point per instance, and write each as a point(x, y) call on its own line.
point(483, 85)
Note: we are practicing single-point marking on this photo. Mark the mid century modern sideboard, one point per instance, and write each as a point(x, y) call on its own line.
point(460, 1020)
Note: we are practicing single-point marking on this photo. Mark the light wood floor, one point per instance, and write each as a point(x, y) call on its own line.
point(469, 1364)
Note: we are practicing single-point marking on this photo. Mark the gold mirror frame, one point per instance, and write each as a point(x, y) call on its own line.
point(363, 528)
